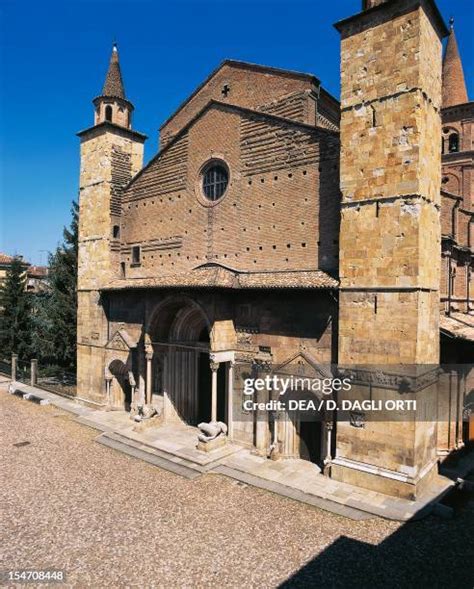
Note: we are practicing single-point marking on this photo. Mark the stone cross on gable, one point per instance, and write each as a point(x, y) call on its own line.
point(366, 4)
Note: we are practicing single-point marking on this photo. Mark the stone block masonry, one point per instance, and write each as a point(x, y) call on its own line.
point(390, 182)
point(390, 225)
point(110, 156)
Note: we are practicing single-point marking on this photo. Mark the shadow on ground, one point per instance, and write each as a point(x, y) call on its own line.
point(433, 552)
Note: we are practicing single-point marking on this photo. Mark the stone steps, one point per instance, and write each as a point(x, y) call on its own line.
point(148, 447)
point(292, 493)
point(201, 460)
point(149, 454)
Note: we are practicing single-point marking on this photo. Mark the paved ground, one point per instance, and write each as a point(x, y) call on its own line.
point(112, 521)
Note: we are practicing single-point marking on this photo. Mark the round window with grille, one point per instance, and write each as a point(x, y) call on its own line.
point(214, 181)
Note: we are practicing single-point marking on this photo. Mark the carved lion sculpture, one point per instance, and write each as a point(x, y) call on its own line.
point(210, 431)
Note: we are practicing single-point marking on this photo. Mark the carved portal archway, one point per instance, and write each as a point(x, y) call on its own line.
point(179, 334)
point(304, 434)
point(179, 319)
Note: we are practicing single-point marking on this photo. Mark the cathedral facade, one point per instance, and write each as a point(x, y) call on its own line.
point(277, 227)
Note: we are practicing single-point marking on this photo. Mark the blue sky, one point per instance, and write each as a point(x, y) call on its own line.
point(53, 59)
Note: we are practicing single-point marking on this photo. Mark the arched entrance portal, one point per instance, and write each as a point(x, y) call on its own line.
point(120, 392)
point(179, 335)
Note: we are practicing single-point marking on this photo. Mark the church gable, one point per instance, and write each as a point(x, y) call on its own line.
point(249, 86)
point(303, 364)
point(121, 341)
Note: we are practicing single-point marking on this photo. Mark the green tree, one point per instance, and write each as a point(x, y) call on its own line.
point(56, 314)
point(15, 312)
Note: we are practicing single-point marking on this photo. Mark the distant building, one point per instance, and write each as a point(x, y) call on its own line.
point(5, 263)
point(37, 279)
point(36, 276)
point(457, 206)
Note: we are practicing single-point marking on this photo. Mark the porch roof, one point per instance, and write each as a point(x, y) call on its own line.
point(220, 277)
point(458, 325)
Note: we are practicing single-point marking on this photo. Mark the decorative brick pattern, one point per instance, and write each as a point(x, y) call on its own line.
point(269, 147)
point(293, 107)
point(167, 173)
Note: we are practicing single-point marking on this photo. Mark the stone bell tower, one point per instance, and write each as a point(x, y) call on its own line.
point(111, 154)
point(390, 226)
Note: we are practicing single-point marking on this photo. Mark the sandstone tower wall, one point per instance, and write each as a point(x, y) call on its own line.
point(390, 229)
point(390, 182)
point(110, 157)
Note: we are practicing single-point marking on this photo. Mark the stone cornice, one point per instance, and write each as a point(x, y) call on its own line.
point(112, 127)
point(393, 9)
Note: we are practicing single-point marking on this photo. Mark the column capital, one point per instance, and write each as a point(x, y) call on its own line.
point(214, 366)
point(148, 351)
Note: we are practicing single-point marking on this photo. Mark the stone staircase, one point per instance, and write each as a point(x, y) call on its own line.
point(148, 453)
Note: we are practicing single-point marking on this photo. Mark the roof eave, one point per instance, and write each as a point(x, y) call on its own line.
point(130, 132)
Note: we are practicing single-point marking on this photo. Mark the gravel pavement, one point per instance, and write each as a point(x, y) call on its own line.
point(109, 520)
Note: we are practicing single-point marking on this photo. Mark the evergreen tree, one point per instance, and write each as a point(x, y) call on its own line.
point(56, 316)
point(15, 312)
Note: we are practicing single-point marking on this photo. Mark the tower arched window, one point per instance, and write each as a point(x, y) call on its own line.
point(453, 143)
point(108, 113)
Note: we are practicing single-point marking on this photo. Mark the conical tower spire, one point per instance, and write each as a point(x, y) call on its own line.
point(113, 86)
point(112, 106)
point(454, 84)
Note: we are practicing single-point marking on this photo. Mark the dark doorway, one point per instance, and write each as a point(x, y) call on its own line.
point(310, 441)
point(204, 388)
point(127, 391)
point(119, 371)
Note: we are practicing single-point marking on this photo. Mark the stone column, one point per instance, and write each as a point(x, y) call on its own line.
point(34, 372)
point(149, 383)
point(461, 394)
point(108, 382)
point(133, 386)
point(275, 446)
point(328, 459)
point(261, 426)
point(230, 400)
point(214, 369)
point(14, 366)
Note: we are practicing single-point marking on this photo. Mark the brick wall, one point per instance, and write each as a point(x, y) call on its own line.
point(280, 210)
point(457, 208)
point(458, 168)
point(248, 87)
